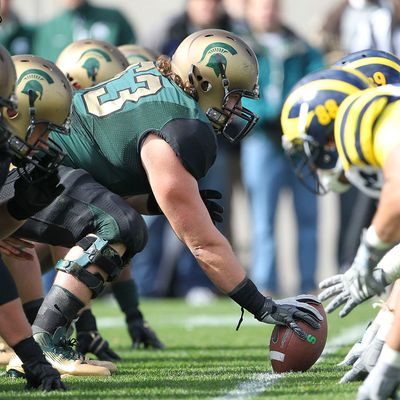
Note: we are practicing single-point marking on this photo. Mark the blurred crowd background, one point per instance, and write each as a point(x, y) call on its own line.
point(287, 238)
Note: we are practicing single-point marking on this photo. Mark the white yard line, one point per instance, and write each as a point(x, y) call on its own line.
point(259, 383)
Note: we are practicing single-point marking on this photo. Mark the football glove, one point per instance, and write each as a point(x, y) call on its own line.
point(365, 363)
point(33, 192)
point(382, 383)
point(142, 335)
point(365, 261)
point(355, 352)
point(40, 374)
point(92, 342)
point(349, 289)
point(287, 311)
point(208, 196)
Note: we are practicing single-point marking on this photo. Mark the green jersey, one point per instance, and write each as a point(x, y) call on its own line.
point(110, 121)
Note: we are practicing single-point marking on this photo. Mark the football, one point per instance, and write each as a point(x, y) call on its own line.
point(289, 353)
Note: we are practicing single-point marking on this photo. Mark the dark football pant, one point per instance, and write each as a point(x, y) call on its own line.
point(84, 207)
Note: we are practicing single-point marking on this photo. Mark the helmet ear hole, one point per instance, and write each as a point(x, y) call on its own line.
point(205, 86)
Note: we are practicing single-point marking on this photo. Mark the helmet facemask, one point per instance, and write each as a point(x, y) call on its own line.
point(222, 117)
point(307, 155)
point(5, 131)
point(43, 153)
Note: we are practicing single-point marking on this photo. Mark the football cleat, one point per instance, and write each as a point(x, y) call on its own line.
point(6, 352)
point(60, 354)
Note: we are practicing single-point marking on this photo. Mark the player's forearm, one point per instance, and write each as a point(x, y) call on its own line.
point(387, 217)
point(8, 225)
point(220, 264)
point(393, 337)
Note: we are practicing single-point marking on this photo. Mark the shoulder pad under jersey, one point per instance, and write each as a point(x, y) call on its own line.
point(194, 142)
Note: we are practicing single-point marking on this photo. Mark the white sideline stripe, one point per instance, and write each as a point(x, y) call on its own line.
point(259, 383)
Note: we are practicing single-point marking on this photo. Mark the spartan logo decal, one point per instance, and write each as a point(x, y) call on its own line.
point(92, 64)
point(33, 85)
point(216, 52)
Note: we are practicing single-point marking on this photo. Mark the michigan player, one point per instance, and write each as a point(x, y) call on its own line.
point(365, 135)
point(150, 131)
point(353, 145)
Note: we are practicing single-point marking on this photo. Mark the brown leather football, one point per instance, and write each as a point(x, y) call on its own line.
point(290, 353)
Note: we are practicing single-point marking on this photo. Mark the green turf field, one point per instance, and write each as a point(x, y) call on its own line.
point(205, 358)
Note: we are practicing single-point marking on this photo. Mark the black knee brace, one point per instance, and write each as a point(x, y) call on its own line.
point(98, 252)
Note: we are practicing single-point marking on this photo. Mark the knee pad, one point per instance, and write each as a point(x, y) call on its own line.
point(96, 251)
point(133, 233)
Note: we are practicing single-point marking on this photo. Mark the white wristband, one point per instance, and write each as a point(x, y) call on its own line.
point(373, 239)
point(390, 263)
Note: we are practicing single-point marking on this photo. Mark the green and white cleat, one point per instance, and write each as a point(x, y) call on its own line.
point(61, 355)
point(6, 352)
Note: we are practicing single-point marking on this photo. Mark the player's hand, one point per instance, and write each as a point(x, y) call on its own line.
point(288, 311)
point(33, 192)
point(355, 352)
point(214, 209)
point(16, 248)
point(365, 362)
point(40, 374)
point(350, 289)
point(207, 195)
point(365, 262)
point(92, 342)
point(142, 335)
point(382, 383)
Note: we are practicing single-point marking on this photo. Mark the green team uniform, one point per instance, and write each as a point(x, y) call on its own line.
point(108, 125)
point(110, 121)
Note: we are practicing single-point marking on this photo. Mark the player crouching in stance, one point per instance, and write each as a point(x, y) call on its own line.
point(360, 144)
point(44, 97)
point(34, 190)
point(150, 131)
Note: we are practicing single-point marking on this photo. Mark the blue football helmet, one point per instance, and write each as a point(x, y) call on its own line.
point(380, 67)
point(308, 118)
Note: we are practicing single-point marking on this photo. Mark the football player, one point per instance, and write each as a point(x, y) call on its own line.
point(34, 190)
point(86, 63)
point(150, 132)
point(44, 101)
point(364, 152)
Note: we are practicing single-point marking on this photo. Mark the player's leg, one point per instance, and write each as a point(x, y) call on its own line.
point(107, 232)
point(16, 331)
point(126, 293)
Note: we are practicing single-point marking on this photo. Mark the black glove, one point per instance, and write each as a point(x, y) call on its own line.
point(207, 195)
point(33, 192)
point(92, 342)
point(40, 373)
point(287, 311)
point(142, 335)
point(214, 209)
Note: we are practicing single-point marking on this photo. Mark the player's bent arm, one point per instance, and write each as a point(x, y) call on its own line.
point(387, 217)
point(8, 224)
point(177, 194)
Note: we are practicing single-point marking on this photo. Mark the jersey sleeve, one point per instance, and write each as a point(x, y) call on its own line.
point(354, 128)
point(194, 143)
point(386, 132)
